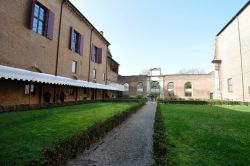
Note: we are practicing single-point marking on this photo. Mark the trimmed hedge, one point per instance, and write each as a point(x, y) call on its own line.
point(160, 141)
point(204, 102)
point(27, 107)
point(63, 150)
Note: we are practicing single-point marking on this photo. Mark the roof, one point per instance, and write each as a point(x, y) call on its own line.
point(81, 15)
point(241, 10)
point(25, 75)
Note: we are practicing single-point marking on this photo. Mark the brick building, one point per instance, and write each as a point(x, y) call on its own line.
point(157, 85)
point(232, 58)
point(50, 53)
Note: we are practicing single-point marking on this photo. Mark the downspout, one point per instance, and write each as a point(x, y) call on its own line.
point(90, 52)
point(242, 74)
point(90, 55)
point(57, 50)
point(106, 76)
point(59, 38)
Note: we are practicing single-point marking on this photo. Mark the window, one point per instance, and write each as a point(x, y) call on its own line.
point(42, 20)
point(188, 89)
point(170, 89)
point(104, 76)
point(94, 73)
point(39, 19)
point(249, 90)
point(126, 89)
point(155, 87)
point(96, 54)
point(140, 88)
point(76, 41)
point(74, 67)
point(230, 85)
point(71, 91)
point(29, 89)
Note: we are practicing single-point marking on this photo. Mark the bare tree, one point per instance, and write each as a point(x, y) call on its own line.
point(192, 71)
point(144, 72)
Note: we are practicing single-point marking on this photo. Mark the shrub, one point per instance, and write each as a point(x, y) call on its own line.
point(202, 102)
point(159, 138)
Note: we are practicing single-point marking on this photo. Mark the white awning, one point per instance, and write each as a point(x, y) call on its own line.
point(25, 75)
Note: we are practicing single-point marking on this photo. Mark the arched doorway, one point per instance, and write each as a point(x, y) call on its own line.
point(155, 90)
point(188, 89)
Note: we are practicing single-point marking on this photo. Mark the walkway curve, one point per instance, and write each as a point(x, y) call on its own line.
point(130, 144)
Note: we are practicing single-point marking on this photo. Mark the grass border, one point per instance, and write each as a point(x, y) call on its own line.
point(31, 107)
point(160, 140)
point(64, 149)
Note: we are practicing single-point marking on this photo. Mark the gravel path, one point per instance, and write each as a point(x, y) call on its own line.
point(130, 144)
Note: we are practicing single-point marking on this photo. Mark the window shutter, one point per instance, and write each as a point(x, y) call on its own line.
point(32, 14)
point(71, 39)
point(50, 22)
point(99, 55)
point(81, 44)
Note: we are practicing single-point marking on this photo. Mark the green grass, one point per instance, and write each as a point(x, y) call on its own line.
point(24, 134)
point(199, 135)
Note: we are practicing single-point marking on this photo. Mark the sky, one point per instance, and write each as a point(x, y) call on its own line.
point(170, 34)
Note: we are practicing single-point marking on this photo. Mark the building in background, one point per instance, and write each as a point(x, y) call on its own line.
point(50, 53)
point(232, 58)
point(157, 85)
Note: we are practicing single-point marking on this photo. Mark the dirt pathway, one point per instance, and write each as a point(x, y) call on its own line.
point(130, 144)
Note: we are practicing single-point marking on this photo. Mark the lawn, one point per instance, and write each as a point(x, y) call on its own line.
point(199, 135)
point(24, 134)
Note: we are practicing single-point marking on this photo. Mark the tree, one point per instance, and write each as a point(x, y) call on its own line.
point(192, 71)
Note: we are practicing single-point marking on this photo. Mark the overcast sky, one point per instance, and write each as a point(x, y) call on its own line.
point(171, 34)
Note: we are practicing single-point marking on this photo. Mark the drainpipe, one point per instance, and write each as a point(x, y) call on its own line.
point(59, 38)
point(106, 75)
point(242, 74)
point(90, 52)
point(58, 45)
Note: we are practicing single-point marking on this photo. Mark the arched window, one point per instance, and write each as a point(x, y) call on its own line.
point(126, 89)
point(188, 89)
point(155, 87)
point(140, 88)
point(170, 89)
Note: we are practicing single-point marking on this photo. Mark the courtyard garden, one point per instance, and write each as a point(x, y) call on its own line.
point(25, 135)
point(199, 135)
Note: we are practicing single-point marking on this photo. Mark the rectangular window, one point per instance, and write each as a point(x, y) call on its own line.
point(94, 73)
point(29, 89)
point(71, 91)
point(42, 20)
point(74, 67)
point(38, 19)
point(249, 90)
point(104, 76)
point(230, 85)
point(96, 54)
point(76, 41)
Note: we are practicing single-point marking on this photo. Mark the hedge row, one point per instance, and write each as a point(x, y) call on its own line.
point(204, 102)
point(63, 150)
point(27, 107)
point(159, 138)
